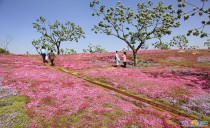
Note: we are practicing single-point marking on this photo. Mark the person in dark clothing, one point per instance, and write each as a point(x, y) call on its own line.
point(51, 57)
point(43, 53)
point(124, 59)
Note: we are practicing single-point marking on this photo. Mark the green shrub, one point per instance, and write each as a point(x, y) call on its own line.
point(12, 112)
point(2, 50)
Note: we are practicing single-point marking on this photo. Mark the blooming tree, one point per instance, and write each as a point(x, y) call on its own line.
point(58, 32)
point(135, 28)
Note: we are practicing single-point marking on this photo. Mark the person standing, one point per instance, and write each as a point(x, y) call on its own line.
point(51, 57)
point(124, 60)
point(117, 59)
point(43, 53)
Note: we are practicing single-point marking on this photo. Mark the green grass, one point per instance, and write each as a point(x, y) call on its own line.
point(76, 117)
point(114, 113)
point(12, 112)
point(178, 92)
point(107, 105)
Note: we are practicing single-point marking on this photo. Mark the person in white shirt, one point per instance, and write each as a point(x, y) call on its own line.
point(117, 59)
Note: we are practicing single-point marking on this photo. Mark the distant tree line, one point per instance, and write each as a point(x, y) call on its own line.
point(94, 49)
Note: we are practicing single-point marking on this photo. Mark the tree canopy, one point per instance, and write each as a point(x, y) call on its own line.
point(94, 49)
point(68, 51)
point(39, 43)
point(161, 45)
point(57, 33)
point(207, 43)
point(179, 41)
point(135, 28)
point(193, 9)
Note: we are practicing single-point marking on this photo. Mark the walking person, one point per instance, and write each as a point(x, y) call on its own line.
point(124, 60)
point(51, 57)
point(117, 59)
point(43, 53)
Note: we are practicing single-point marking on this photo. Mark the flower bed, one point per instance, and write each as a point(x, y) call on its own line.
point(183, 78)
point(176, 58)
point(155, 83)
point(88, 61)
point(84, 61)
point(61, 100)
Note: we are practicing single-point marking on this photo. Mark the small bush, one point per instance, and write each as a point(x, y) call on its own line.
point(2, 50)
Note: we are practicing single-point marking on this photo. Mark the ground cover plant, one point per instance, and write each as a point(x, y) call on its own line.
point(179, 77)
point(198, 59)
point(158, 88)
point(85, 61)
point(12, 112)
point(57, 99)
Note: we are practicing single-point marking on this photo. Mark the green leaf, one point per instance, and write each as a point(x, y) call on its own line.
point(196, 33)
point(200, 13)
point(195, 8)
point(203, 22)
point(112, 8)
point(179, 11)
point(190, 31)
point(186, 16)
point(102, 9)
point(91, 4)
point(179, 4)
point(203, 35)
point(97, 2)
point(148, 37)
point(150, 3)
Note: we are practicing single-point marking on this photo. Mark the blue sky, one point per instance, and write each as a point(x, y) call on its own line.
point(17, 17)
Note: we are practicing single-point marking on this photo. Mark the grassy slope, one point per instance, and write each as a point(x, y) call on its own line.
point(12, 112)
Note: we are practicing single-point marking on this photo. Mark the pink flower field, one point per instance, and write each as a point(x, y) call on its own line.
point(58, 99)
point(84, 61)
